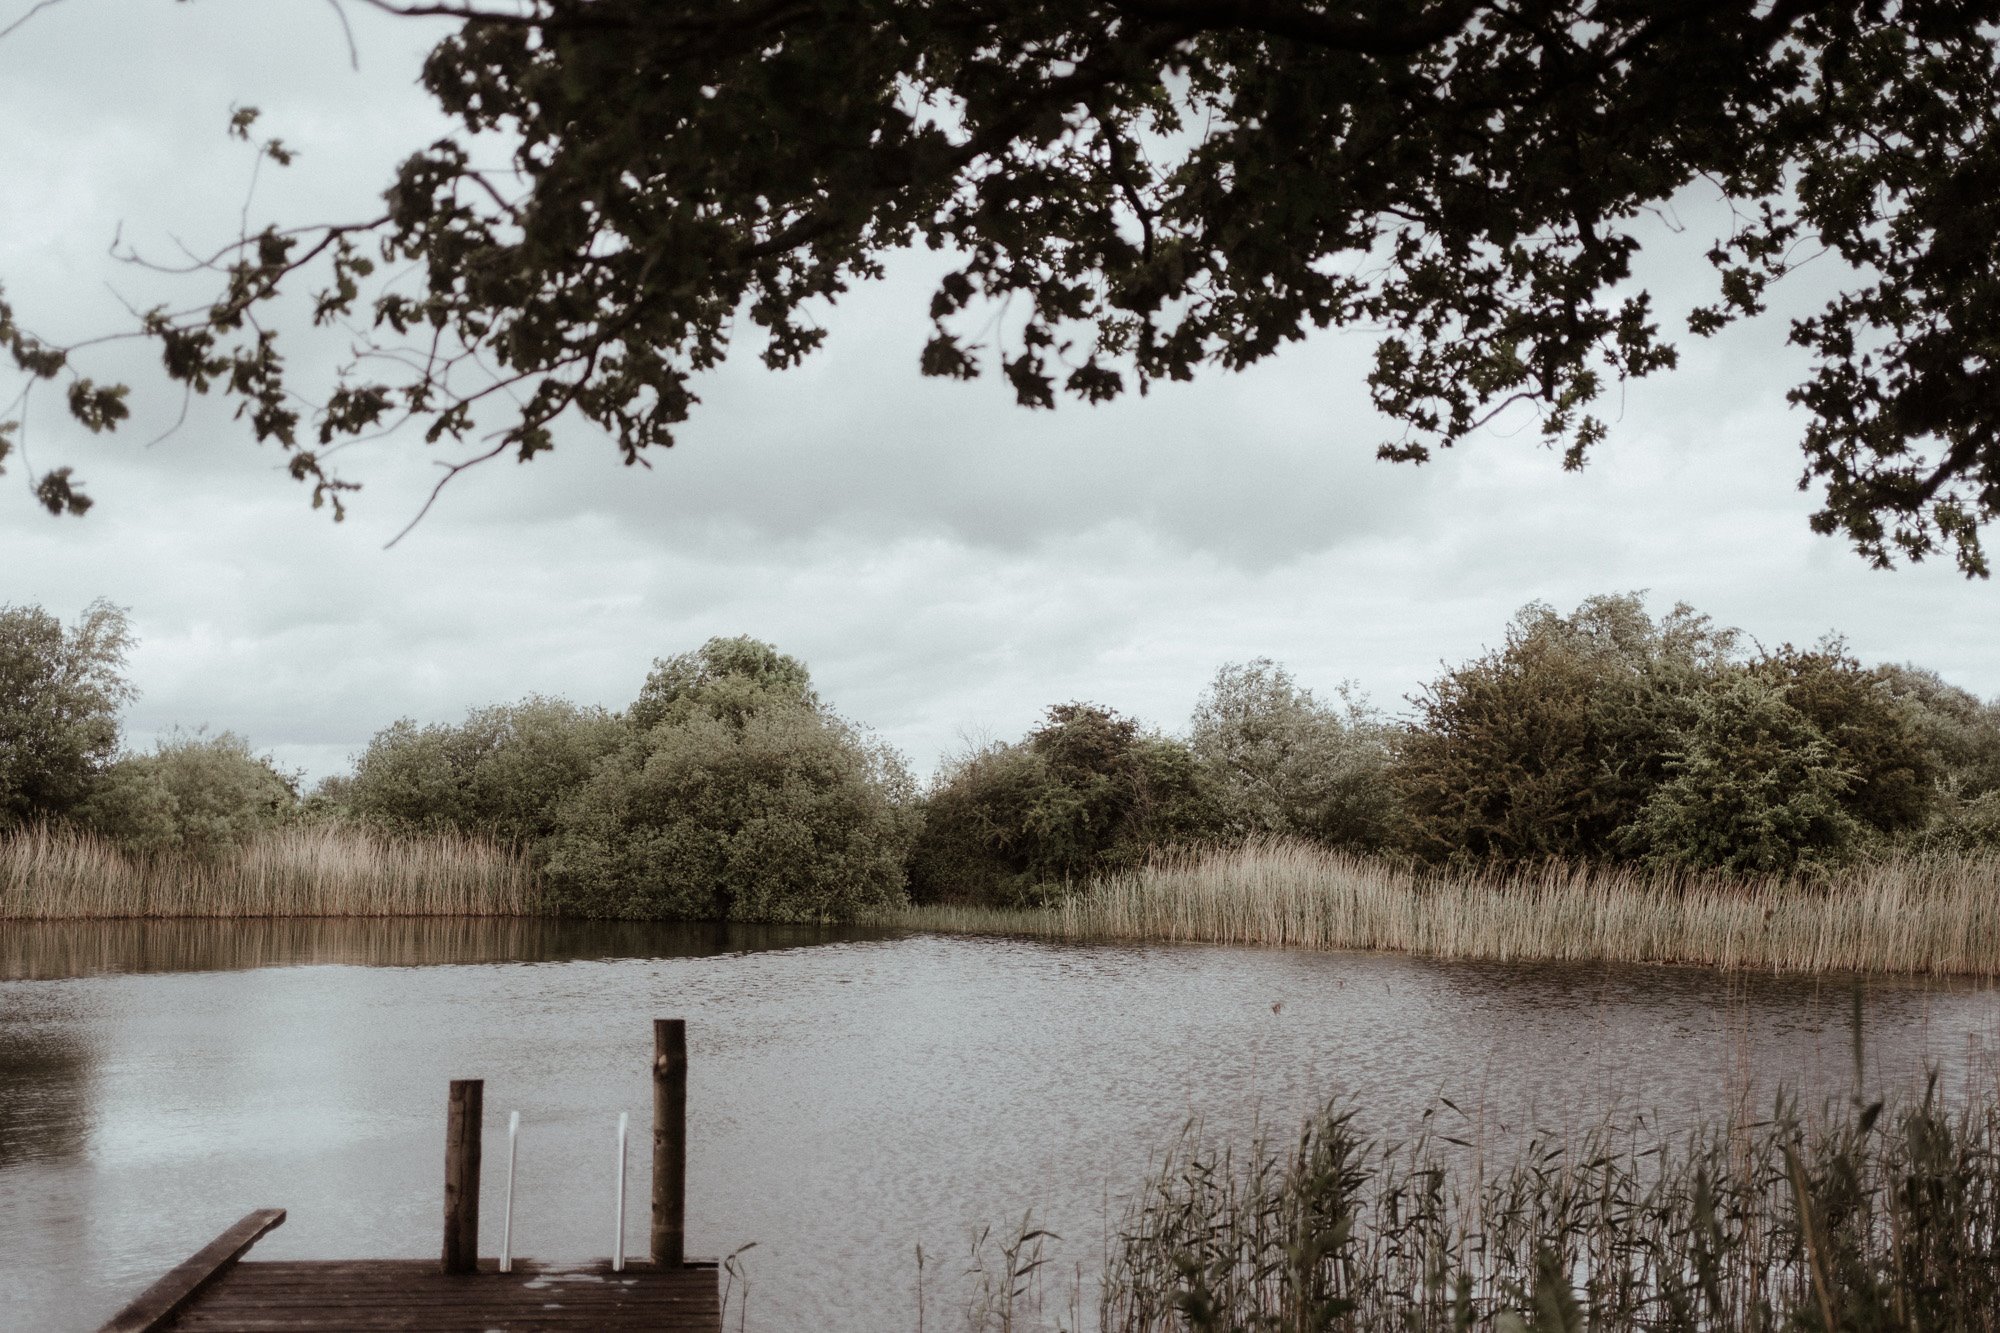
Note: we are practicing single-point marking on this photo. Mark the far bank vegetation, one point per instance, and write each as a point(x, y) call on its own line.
point(1605, 783)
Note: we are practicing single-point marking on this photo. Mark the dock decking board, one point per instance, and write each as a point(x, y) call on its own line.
point(158, 1304)
point(215, 1291)
point(373, 1296)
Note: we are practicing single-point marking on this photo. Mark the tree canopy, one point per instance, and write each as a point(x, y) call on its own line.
point(60, 692)
point(1143, 189)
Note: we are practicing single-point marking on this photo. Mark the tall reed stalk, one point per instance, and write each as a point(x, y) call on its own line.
point(1863, 1219)
point(49, 874)
point(1937, 915)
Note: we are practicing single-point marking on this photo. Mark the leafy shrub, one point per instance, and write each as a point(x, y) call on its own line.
point(1553, 745)
point(1876, 733)
point(1085, 793)
point(500, 774)
point(199, 795)
point(60, 691)
point(735, 795)
point(1966, 826)
point(732, 678)
point(1755, 787)
point(1960, 735)
point(1285, 764)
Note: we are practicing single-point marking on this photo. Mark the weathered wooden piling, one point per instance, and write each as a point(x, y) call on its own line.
point(461, 1175)
point(670, 1065)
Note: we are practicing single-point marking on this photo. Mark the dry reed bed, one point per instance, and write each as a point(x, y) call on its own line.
point(1936, 915)
point(329, 870)
point(52, 950)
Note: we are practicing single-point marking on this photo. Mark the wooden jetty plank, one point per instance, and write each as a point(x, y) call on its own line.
point(408, 1295)
point(156, 1306)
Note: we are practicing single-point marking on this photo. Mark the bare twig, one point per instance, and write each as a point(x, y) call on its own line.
point(33, 10)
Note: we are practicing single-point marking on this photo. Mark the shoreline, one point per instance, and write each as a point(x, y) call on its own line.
point(1935, 916)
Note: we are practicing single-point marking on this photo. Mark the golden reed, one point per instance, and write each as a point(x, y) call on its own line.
point(49, 874)
point(1935, 915)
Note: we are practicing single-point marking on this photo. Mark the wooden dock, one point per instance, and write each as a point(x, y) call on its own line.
point(216, 1290)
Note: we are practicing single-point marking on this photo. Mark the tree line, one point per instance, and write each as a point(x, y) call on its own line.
point(729, 788)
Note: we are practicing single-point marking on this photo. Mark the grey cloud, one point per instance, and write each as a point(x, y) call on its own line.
point(947, 562)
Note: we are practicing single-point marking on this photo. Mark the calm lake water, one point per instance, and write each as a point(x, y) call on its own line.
point(851, 1096)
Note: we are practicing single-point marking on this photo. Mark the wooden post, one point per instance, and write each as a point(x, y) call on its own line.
point(670, 1081)
point(461, 1175)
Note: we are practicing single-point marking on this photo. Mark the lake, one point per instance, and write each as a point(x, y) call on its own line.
point(852, 1095)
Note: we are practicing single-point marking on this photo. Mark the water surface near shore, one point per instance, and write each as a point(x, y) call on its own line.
point(853, 1094)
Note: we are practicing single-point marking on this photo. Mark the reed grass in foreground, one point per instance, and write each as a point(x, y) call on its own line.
point(326, 870)
point(1864, 1220)
point(1937, 915)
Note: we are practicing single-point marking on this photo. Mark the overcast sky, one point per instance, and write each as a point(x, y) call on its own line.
point(948, 564)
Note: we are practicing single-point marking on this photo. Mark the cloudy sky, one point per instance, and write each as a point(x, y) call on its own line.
point(947, 563)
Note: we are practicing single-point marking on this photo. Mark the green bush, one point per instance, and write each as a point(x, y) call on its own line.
point(1085, 793)
point(1282, 763)
point(499, 774)
point(1877, 733)
point(1608, 735)
point(1755, 787)
point(198, 795)
point(1961, 824)
point(1960, 734)
point(1553, 745)
point(60, 691)
point(735, 795)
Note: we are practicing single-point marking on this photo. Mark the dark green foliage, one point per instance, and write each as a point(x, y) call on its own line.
point(1960, 733)
point(1552, 746)
point(975, 844)
point(60, 692)
point(1085, 793)
point(500, 774)
point(202, 796)
point(734, 794)
point(1284, 764)
point(1156, 188)
point(726, 678)
point(1755, 786)
point(1605, 735)
point(1879, 735)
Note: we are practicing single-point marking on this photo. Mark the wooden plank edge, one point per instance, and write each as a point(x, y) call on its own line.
point(157, 1306)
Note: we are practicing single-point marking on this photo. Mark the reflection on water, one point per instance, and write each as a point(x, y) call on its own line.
point(847, 1101)
point(44, 1071)
point(50, 950)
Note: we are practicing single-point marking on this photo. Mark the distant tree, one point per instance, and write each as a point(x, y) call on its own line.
point(1553, 744)
point(1085, 793)
point(60, 692)
point(727, 678)
point(500, 774)
point(977, 842)
point(736, 795)
point(1284, 763)
point(1960, 733)
point(195, 794)
point(1148, 188)
point(1755, 786)
point(1876, 734)
point(1955, 727)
